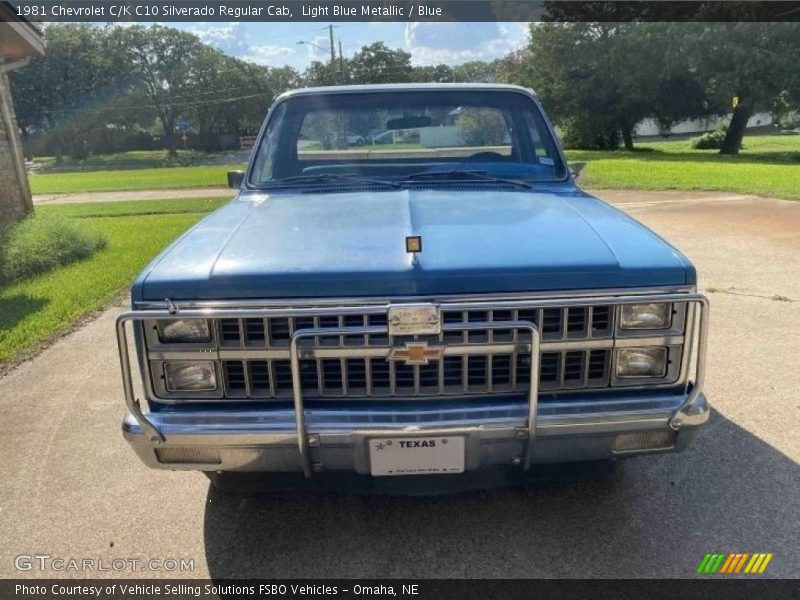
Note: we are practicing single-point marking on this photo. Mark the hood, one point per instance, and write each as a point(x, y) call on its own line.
point(353, 244)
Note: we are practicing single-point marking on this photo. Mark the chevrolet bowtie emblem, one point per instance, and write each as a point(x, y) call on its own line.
point(417, 353)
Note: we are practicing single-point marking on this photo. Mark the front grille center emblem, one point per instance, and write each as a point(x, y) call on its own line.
point(416, 353)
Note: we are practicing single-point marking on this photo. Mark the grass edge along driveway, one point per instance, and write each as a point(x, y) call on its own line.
point(160, 178)
point(769, 165)
point(642, 172)
point(36, 310)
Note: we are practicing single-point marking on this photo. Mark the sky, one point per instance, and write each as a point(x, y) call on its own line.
point(276, 44)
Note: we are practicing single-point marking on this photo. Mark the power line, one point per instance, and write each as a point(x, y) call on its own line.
point(175, 105)
point(207, 92)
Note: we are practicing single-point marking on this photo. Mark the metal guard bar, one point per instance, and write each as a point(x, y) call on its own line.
point(297, 389)
point(685, 415)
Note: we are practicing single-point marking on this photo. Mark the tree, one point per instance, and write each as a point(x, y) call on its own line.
point(214, 112)
point(475, 71)
point(319, 74)
point(164, 62)
point(745, 66)
point(515, 67)
point(482, 127)
point(109, 89)
point(574, 67)
point(377, 63)
point(67, 92)
point(281, 79)
point(601, 79)
point(432, 74)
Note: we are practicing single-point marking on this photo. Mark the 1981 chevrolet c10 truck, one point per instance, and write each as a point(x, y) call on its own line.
point(440, 304)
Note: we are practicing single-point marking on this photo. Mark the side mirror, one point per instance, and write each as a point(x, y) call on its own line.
point(235, 179)
point(576, 168)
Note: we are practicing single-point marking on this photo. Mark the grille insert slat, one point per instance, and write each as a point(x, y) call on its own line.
point(235, 379)
point(254, 332)
point(452, 375)
point(555, 324)
point(229, 331)
point(601, 320)
point(490, 361)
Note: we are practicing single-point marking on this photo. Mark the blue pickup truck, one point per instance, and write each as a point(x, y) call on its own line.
point(447, 308)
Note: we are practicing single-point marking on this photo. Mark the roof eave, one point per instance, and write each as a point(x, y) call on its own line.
point(33, 41)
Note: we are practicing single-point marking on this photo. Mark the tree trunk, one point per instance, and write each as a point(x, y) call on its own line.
point(735, 132)
point(168, 124)
point(627, 138)
point(27, 151)
point(170, 140)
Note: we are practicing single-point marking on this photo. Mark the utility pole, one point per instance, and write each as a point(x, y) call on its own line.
point(333, 52)
point(341, 62)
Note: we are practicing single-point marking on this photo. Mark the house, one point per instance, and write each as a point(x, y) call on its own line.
point(19, 42)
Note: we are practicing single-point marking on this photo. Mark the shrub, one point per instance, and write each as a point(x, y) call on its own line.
point(39, 244)
point(588, 134)
point(482, 127)
point(710, 140)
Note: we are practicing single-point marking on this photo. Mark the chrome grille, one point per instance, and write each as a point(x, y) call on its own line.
point(453, 375)
point(555, 324)
point(486, 350)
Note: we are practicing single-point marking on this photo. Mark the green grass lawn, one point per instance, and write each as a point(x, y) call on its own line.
point(134, 159)
point(133, 207)
point(35, 310)
point(131, 179)
point(767, 166)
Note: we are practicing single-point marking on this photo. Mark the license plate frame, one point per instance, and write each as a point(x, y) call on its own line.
point(417, 455)
point(414, 319)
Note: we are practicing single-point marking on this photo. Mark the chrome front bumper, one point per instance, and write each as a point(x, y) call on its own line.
point(496, 434)
point(519, 431)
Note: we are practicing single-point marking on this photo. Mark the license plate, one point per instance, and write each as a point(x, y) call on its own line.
point(416, 455)
point(414, 319)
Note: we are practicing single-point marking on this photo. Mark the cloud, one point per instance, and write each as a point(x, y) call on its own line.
point(230, 38)
point(235, 39)
point(317, 48)
point(267, 54)
point(454, 43)
point(276, 44)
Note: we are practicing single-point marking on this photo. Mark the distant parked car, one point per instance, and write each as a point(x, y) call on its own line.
point(378, 137)
point(350, 139)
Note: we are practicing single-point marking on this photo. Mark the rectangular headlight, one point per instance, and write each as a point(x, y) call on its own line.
point(642, 362)
point(184, 331)
point(646, 316)
point(190, 376)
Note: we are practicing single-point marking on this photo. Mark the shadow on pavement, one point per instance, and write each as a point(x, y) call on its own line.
point(657, 518)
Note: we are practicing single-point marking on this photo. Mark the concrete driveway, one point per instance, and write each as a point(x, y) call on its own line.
point(72, 488)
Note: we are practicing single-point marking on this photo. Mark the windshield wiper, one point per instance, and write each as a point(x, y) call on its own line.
point(332, 177)
point(465, 175)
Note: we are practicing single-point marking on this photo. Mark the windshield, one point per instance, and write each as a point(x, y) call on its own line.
point(397, 138)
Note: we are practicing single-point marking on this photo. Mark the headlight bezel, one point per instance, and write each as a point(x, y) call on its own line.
point(670, 375)
point(659, 354)
point(168, 365)
point(626, 309)
point(164, 338)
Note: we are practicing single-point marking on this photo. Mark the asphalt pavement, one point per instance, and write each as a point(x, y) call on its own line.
point(73, 489)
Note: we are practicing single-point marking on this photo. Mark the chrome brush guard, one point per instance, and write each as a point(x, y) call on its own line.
point(169, 310)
